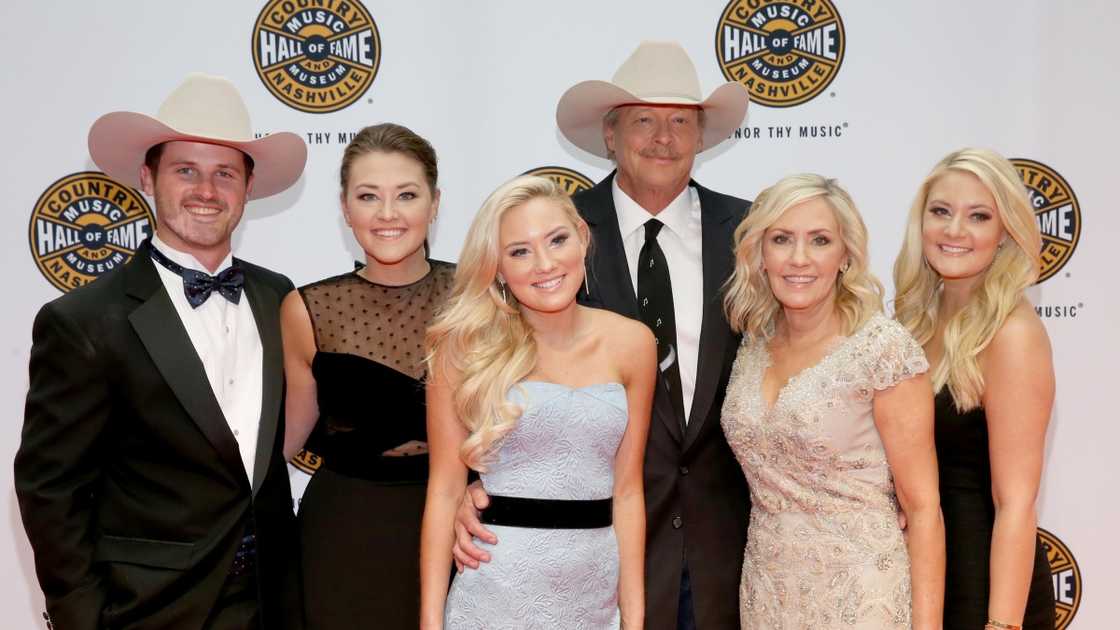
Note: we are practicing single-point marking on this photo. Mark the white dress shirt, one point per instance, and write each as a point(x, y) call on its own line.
point(681, 241)
point(226, 339)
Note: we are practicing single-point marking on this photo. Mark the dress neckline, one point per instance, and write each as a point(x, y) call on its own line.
point(431, 269)
point(572, 387)
point(767, 360)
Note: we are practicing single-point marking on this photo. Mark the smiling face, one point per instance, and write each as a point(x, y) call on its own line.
point(542, 252)
point(200, 191)
point(389, 205)
point(654, 147)
point(802, 253)
point(961, 227)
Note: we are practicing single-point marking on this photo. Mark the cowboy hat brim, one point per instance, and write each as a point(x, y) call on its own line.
point(118, 142)
point(579, 114)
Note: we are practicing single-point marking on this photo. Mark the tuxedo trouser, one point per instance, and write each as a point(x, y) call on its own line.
point(686, 615)
point(237, 607)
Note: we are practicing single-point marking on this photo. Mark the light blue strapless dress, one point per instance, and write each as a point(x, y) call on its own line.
point(563, 447)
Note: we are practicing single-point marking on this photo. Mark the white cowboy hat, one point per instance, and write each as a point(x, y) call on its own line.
point(204, 108)
point(657, 73)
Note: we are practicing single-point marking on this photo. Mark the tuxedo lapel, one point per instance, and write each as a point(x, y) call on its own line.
point(165, 338)
point(609, 277)
point(717, 230)
point(266, 312)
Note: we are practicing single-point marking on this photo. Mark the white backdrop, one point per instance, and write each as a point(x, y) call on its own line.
point(1031, 79)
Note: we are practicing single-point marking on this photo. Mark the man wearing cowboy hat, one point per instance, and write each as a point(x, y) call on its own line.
point(150, 476)
point(663, 249)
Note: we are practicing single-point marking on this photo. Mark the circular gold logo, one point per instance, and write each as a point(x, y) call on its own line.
point(317, 56)
point(85, 225)
point(1066, 576)
point(785, 53)
point(571, 181)
point(1057, 212)
point(307, 461)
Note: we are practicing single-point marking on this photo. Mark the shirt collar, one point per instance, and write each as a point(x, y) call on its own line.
point(186, 260)
point(632, 217)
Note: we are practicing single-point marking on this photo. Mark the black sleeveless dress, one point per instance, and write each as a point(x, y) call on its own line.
point(966, 502)
point(360, 515)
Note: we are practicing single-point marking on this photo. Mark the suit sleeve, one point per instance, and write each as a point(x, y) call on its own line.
point(59, 465)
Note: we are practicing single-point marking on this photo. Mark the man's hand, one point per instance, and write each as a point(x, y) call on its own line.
point(409, 448)
point(468, 527)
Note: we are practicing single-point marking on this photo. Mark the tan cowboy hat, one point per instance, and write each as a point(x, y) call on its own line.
point(204, 108)
point(658, 73)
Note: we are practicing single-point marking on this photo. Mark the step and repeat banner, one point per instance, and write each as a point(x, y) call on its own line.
point(871, 93)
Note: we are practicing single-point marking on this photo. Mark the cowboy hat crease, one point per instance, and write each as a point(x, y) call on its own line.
point(206, 109)
point(657, 73)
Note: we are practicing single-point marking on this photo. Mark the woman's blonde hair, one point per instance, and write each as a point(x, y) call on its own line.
point(480, 333)
point(749, 303)
point(1014, 268)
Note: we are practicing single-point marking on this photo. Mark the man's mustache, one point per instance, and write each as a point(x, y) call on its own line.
point(660, 154)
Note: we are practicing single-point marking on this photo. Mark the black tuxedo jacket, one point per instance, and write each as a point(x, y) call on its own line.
point(697, 504)
point(129, 480)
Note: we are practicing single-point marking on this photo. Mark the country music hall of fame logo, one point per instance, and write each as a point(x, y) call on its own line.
point(1057, 211)
point(317, 56)
point(569, 180)
point(85, 225)
point(1066, 576)
point(785, 53)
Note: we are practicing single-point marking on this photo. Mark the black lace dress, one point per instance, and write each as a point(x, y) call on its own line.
point(360, 515)
point(966, 503)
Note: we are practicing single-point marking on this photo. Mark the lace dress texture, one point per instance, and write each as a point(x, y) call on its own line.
point(824, 548)
point(563, 447)
point(360, 515)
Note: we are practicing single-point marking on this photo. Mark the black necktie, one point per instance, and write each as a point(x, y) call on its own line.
point(198, 285)
point(655, 306)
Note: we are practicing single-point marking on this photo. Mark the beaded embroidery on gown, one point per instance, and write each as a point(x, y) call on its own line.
point(824, 548)
point(563, 447)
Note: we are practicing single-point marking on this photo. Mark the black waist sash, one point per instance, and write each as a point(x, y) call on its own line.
point(548, 513)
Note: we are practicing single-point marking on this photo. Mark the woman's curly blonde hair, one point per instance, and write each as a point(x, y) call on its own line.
point(1014, 268)
point(480, 333)
point(749, 303)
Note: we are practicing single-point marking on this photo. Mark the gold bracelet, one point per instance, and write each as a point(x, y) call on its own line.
point(999, 625)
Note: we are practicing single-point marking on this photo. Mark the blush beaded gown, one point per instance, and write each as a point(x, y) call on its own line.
point(824, 547)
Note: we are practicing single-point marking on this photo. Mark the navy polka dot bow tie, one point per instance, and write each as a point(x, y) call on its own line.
point(198, 285)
